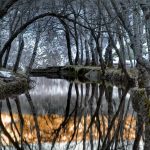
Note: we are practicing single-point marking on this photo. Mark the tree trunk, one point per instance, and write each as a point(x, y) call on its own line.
point(122, 48)
point(145, 6)
point(12, 28)
point(140, 104)
point(76, 43)
point(6, 57)
point(0, 36)
point(69, 46)
point(20, 50)
point(129, 54)
point(81, 44)
point(91, 44)
point(148, 40)
point(108, 55)
point(34, 52)
point(108, 95)
point(67, 35)
point(139, 132)
point(87, 53)
point(99, 51)
point(5, 7)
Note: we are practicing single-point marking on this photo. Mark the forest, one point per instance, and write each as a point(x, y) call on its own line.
point(91, 50)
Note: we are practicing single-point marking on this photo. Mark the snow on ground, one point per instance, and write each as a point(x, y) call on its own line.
point(128, 63)
point(6, 74)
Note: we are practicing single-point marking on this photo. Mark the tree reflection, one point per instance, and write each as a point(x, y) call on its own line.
point(17, 138)
point(35, 119)
point(4, 130)
point(98, 120)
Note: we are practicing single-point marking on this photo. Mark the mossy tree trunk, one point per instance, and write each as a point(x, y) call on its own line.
point(141, 104)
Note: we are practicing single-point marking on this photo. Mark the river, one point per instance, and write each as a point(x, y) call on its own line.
point(61, 114)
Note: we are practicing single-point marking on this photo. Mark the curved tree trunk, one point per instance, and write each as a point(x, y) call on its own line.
point(67, 35)
point(13, 22)
point(4, 8)
point(24, 26)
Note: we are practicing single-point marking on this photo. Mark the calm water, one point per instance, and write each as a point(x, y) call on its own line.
point(58, 114)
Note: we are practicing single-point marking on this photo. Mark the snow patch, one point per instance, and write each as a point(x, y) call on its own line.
point(6, 74)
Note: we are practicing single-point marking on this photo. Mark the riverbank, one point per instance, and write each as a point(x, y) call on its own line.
point(87, 74)
point(12, 83)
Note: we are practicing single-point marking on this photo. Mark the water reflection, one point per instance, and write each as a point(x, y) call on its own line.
point(57, 114)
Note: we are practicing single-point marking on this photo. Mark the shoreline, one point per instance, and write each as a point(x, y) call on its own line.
point(10, 86)
point(87, 74)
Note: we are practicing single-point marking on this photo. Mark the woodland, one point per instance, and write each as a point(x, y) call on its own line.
point(61, 37)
